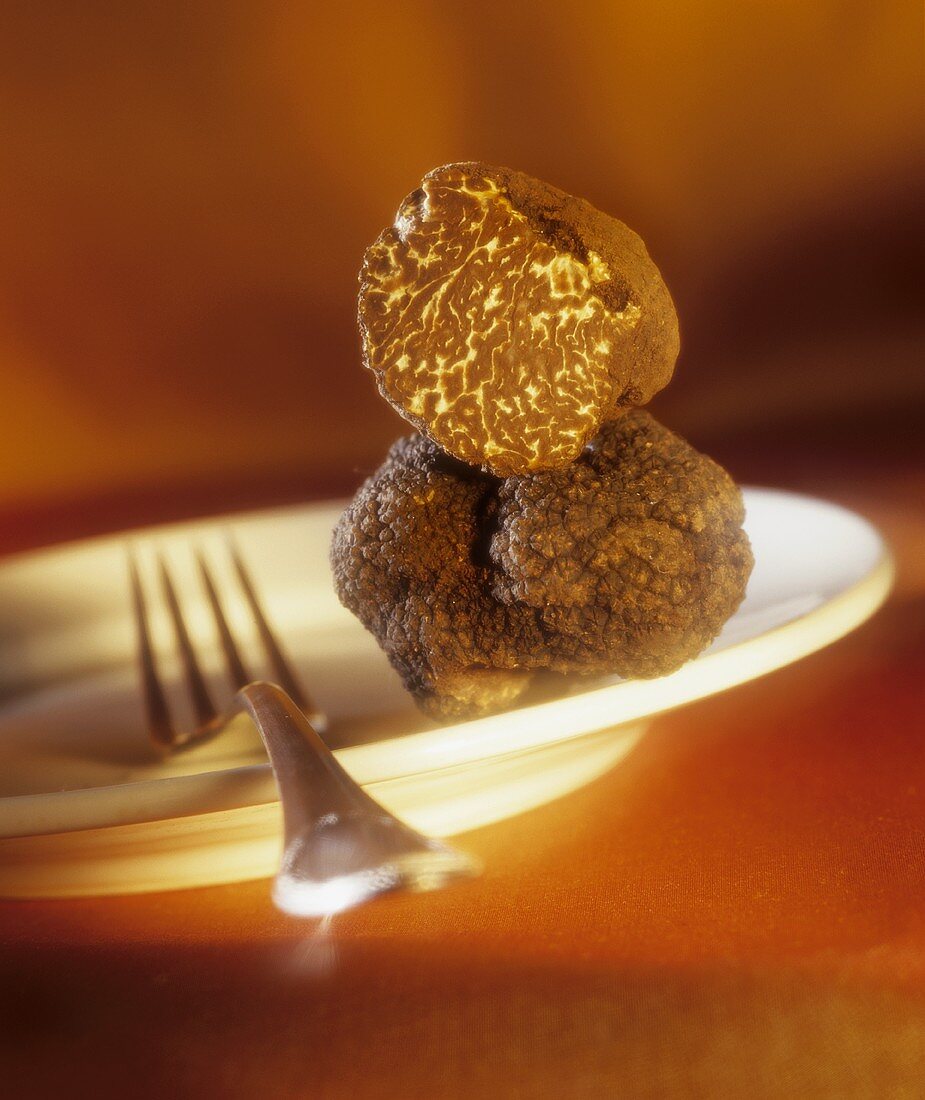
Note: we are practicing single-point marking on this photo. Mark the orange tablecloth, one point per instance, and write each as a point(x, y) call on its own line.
point(735, 910)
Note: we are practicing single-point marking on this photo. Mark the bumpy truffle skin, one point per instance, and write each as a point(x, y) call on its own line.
point(405, 557)
point(628, 562)
point(507, 320)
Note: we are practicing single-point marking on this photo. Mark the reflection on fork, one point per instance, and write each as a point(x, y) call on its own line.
point(340, 846)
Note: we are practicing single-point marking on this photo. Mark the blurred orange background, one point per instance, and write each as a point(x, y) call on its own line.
point(189, 189)
point(187, 192)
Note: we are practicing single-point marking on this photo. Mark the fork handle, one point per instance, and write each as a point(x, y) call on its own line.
point(340, 846)
point(312, 784)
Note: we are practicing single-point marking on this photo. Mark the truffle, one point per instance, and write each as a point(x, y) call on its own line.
point(628, 561)
point(507, 320)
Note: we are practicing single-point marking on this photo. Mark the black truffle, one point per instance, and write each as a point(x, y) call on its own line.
point(628, 561)
point(507, 320)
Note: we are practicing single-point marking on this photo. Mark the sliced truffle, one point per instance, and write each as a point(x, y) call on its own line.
point(508, 320)
point(628, 561)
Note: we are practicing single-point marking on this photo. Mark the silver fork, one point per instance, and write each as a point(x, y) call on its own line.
point(340, 847)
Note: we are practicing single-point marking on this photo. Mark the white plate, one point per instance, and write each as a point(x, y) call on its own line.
point(86, 807)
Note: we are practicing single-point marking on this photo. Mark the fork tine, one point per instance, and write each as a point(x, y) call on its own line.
point(203, 706)
point(160, 727)
point(237, 671)
point(282, 670)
